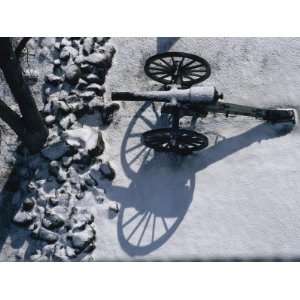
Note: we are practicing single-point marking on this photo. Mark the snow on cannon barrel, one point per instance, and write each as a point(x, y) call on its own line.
point(178, 72)
point(202, 95)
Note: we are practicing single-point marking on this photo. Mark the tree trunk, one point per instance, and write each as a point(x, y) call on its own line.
point(33, 132)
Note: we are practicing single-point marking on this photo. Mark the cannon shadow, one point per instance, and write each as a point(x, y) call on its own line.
point(161, 189)
point(165, 43)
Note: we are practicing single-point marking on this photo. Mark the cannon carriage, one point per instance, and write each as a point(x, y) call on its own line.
point(180, 73)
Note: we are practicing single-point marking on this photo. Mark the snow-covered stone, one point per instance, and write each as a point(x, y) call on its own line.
point(98, 59)
point(79, 59)
point(61, 175)
point(94, 78)
point(55, 151)
point(50, 119)
point(72, 74)
point(87, 95)
point(67, 161)
point(65, 42)
point(23, 218)
point(86, 138)
point(107, 171)
point(80, 240)
point(97, 88)
point(53, 220)
point(67, 121)
point(45, 235)
point(82, 84)
point(88, 45)
point(28, 204)
point(53, 79)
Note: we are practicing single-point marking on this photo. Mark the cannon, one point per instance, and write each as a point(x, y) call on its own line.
point(179, 73)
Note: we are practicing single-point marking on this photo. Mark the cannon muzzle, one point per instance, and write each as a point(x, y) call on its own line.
point(200, 94)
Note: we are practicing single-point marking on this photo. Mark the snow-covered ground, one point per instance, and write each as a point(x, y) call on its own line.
point(236, 199)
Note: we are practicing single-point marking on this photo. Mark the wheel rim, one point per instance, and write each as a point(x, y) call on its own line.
point(180, 141)
point(177, 68)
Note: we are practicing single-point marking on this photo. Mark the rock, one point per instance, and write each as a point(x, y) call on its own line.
point(61, 176)
point(65, 42)
point(88, 95)
point(45, 235)
point(89, 181)
point(47, 108)
point(86, 68)
point(57, 62)
point(23, 218)
point(53, 201)
point(66, 161)
point(108, 113)
point(54, 167)
point(80, 184)
point(80, 195)
point(99, 199)
point(86, 138)
point(82, 84)
point(50, 119)
point(88, 46)
point(107, 171)
point(53, 79)
point(77, 108)
point(67, 121)
point(101, 40)
point(98, 59)
point(57, 46)
point(72, 74)
point(63, 106)
point(79, 59)
point(97, 88)
point(55, 151)
point(80, 240)
point(59, 253)
point(114, 207)
point(64, 54)
point(90, 248)
point(93, 78)
point(31, 76)
point(63, 198)
point(96, 104)
point(70, 252)
point(53, 220)
point(83, 160)
point(28, 204)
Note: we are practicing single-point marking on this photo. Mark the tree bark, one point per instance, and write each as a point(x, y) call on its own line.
point(35, 132)
point(21, 46)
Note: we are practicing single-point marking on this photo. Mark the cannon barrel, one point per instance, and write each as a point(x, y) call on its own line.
point(199, 94)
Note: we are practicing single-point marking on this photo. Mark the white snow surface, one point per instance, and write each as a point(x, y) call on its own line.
point(237, 199)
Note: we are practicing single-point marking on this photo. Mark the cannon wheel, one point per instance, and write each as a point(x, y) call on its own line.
point(180, 141)
point(179, 68)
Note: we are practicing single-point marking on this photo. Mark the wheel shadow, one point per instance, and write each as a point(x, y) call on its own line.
point(161, 190)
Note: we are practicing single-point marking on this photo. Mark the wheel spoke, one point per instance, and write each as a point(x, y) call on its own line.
point(159, 69)
point(194, 67)
point(170, 66)
point(160, 65)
